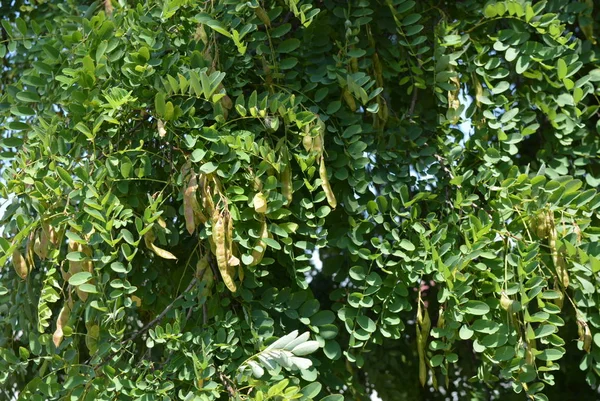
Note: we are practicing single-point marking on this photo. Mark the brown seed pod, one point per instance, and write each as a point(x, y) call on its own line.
point(20, 264)
point(40, 246)
point(307, 142)
point(61, 322)
point(190, 204)
point(325, 184)
point(149, 241)
point(585, 334)
point(221, 254)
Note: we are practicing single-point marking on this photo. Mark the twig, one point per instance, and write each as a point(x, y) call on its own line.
point(152, 323)
point(226, 382)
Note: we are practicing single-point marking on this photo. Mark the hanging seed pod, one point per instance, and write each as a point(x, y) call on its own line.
point(41, 243)
point(29, 249)
point(585, 334)
point(257, 256)
point(287, 188)
point(478, 91)
point(325, 184)
point(307, 142)
point(354, 64)
point(349, 99)
point(20, 264)
point(149, 241)
point(378, 70)
point(61, 322)
point(190, 204)
point(202, 266)
point(260, 203)
point(505, 302)
point(218, 236)
point(201, 34)
point(263, 16)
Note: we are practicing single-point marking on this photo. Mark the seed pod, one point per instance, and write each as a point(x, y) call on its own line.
point(201, 34)
point(260, 203)
point(149, 241)
point(189, 199)
point(585, 334)
point(29, 249)
point(317, 144)
point(377, 69)
point(40, 246)
point(478, 91)
point(263, 16)
point(208, 279)
point(307, 142)
point(441, 318)
point(505, 302)
point(325, 184)
point(287, 188)
point(20, 264)
point(61, 321)
point(349, 99)
point(354, 64)
point(202, 266)
point(257, 256)
point(218, 236)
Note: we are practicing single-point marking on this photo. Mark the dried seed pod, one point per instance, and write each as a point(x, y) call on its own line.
point(257, 256)
point(20, 264)
point(307, 142)
point(505, 302)
point(61, 322)
point(218, 236)
point(260, 203)
point(325, 184)
point(585, 334)
point(40, 246)
point(149, 241)
point(190, 204)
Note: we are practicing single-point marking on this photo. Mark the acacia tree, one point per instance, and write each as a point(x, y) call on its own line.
point(189, 185)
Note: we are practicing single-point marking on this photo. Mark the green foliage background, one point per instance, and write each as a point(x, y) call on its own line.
point(469, 262)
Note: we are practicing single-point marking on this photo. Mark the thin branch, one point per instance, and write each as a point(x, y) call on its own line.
point(152, 323)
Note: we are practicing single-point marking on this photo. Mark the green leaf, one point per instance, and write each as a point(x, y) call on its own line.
point(478, 308)
point(79, 278)
point(288, 45)
point(27, 96)
point(561, 68)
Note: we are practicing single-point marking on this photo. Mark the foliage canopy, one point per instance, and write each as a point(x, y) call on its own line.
point(170, 168)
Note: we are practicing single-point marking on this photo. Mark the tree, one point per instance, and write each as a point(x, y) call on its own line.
point(299, 199)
